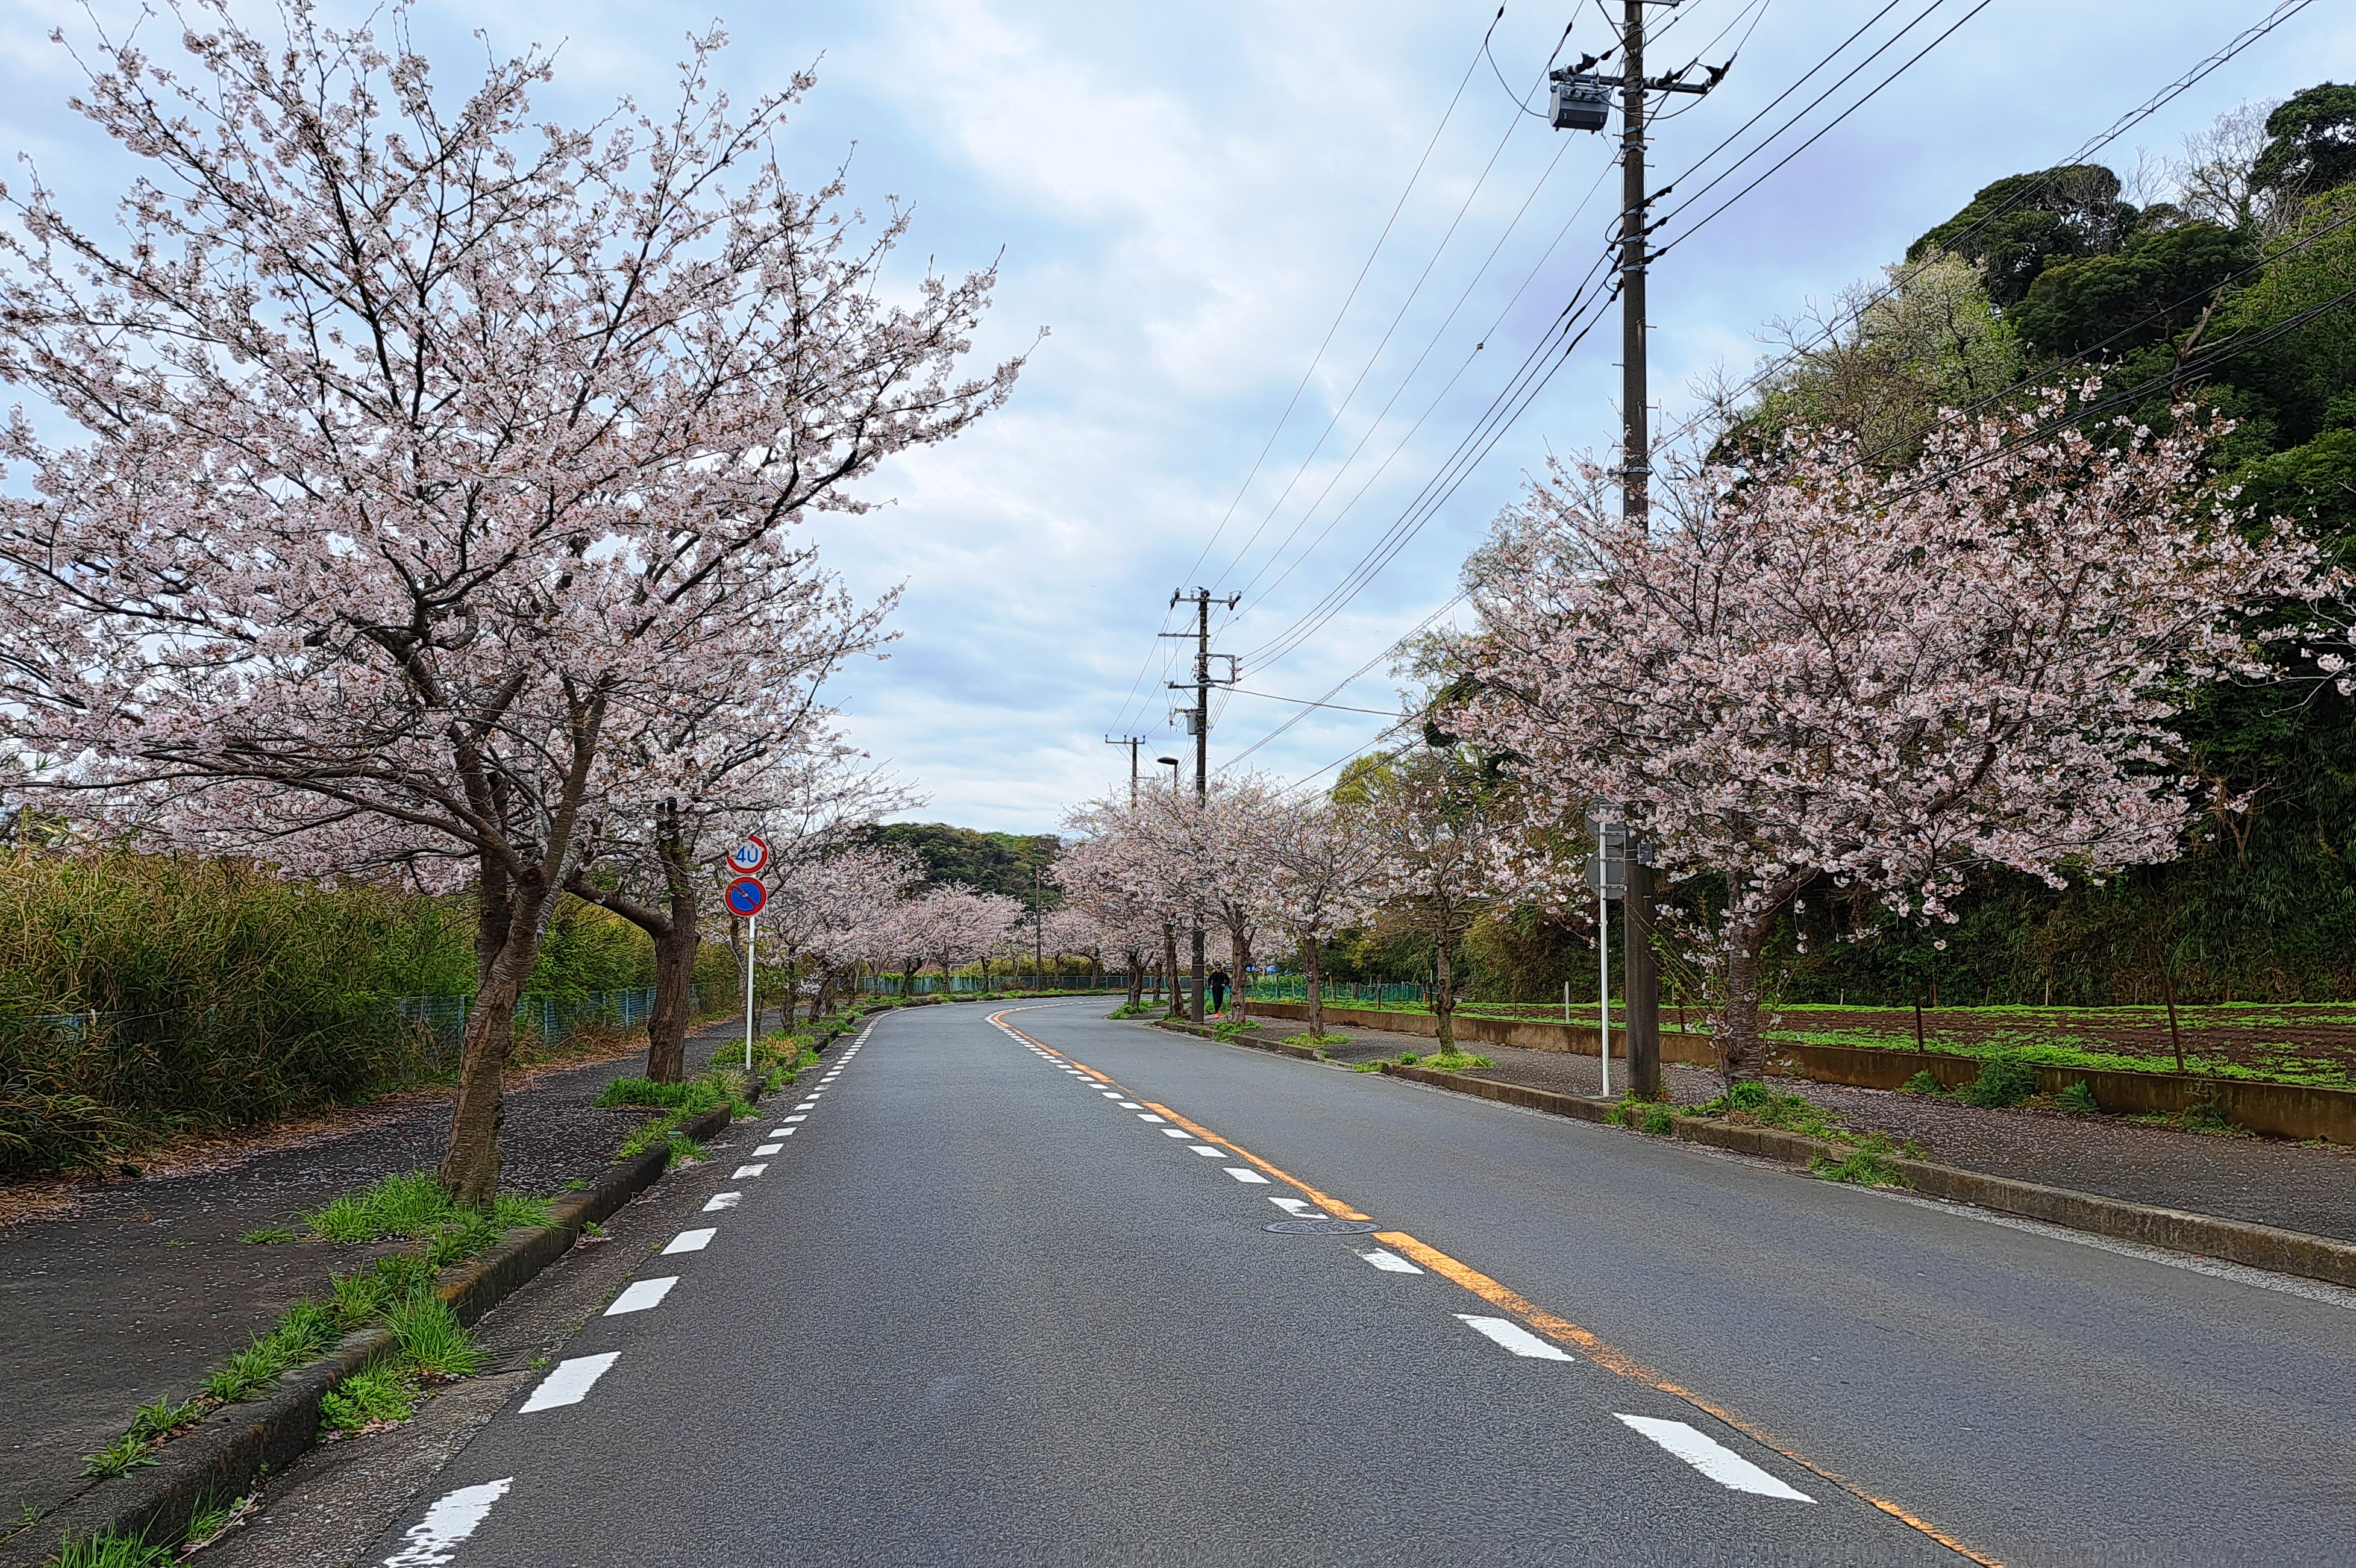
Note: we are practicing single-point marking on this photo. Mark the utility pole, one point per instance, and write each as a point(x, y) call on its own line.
point(1199, 722)
point(1132, 742)
point(1576, 106)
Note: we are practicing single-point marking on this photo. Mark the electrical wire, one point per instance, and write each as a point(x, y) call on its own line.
point(1383, 653)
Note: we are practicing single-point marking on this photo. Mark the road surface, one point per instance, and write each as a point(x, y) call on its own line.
point(1004, 1288)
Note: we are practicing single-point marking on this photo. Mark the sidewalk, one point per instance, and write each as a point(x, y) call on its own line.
point(2264, 1181)
point(135, 1289)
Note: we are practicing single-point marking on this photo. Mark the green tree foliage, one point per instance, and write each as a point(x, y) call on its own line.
point(2155, 286)
point(2023, 223)
point(2311, 142)
point(985, 862)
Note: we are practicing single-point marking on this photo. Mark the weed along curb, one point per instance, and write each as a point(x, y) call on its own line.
point(220, 1459)
point(1277, 1047)
point(2276, 1110)
point(2231, 1241)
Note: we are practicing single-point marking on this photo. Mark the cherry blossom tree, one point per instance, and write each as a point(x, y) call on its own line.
point(1138, 864)
point(1325, 864)
point(419, 437)
point(1233, 864)
point(830, 905)
point(1434, 827)
point(1810, 672)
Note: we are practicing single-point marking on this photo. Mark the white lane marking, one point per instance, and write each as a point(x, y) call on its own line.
point(450, 1521)
point(569, 1384)
point(784, 1132)
point(743, 1172)
point(1128, 1105)
point(720, 1200)
point(642, 1295)
point(768, 1148)
point(691, 1241)
point(1110, 1093)
point(1147, 1116)
point(1713, 1458)
point(806, 1104)
point(1240, 1174)
point(1390, 1263)
point(1515, 1337)
point(1206, 1149)
point(1298, 1207)
point(1176, 1133)
point(789, 1121)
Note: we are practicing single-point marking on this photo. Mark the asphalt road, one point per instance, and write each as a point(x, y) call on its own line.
point(987, 1300)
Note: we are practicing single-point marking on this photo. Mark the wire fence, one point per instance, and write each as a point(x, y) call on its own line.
point(1295, 988)
point(441, 1020)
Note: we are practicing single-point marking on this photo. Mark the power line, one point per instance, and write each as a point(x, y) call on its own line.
point(1347, 299)
point(1385, 652)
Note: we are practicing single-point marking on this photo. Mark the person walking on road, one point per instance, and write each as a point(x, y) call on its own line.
point(1218, 991)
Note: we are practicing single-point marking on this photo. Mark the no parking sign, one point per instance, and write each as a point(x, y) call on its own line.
point(745, 896)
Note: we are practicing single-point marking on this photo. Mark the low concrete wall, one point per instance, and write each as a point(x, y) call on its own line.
point(2276, 1110)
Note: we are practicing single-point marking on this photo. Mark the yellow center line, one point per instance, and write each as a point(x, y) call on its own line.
point(1547, 1323)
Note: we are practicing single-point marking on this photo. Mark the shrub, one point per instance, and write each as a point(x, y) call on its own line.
point(2078, 1100)
point(1406, 1059)
point(1659, 1120)
point(1924, 1082)
point(2003, 1081)
point(1131, 1010)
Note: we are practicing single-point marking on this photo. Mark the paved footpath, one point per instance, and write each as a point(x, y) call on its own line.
point(983, 1298)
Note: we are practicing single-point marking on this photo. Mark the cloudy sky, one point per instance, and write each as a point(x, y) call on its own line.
point(1289, 254)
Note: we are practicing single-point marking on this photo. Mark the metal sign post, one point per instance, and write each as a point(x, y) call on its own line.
point(1607, 874)
point(745, 897)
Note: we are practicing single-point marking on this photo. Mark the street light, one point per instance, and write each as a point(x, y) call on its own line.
point(1171, 764)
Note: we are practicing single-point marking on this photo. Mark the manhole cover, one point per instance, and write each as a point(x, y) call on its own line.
point(1323, 1227)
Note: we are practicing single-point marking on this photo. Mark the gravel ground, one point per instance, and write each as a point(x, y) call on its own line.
point(2265, 1180)
point(135, 1288)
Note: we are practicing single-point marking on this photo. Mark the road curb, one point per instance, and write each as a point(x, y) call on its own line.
point(2202, 1235)
point(1274, 1047)
point(222, 1458)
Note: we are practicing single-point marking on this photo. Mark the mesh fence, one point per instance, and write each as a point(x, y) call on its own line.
point(440, 1022)
point(1295, 988)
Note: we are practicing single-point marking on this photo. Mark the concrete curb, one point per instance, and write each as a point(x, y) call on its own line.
point(2202, 1235)
point(1275, 1048)
point(222, 1459)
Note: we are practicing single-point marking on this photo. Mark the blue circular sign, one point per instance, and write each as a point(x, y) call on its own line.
point(745, 896)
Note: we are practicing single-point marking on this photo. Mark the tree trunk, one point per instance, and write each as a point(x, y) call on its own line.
point(1170, 964)
point(1316, 988)
point(1443, 1002)
point(1239, 983)
point(667, 1025)
point(508, 931)
point(1740, 1050)
point(1136, 976)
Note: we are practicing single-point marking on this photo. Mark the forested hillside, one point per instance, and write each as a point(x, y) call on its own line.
point(985, 862)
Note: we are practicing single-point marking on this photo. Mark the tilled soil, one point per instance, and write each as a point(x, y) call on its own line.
point(2266, 1181)
point(132, 1290)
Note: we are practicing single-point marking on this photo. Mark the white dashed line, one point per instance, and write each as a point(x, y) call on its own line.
point(791, 1120)
point(569, 1384)
point(691, 1241)
point(1390, 1263)
point(1128, 1105)
point(1240, 1174)
point(806, 1104)
point(642, 1295)
point(1175, 1133)
point(1515, 1337)
point(720, 1200)
point(1147, 1116)
point(768, 1148)
point(450, 1521)
point(1110, 1093)
point(1713, 1459)
point(745, 1172)
point(1206, 1149)
point(1298, 1207)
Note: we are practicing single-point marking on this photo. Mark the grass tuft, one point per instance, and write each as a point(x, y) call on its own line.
point(411, 1207)
point(1924, 1082)
point(109, 1550)
point(377, 1396)
point(2078, 1100)
point(269, 1236)
point(122, 1456)
point(161, 1418)
point(2003, 1081)
point(433, 1344)
point(1867, 1165)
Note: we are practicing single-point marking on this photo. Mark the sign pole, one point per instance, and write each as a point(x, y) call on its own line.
point(752, 953)
point(1603, 989)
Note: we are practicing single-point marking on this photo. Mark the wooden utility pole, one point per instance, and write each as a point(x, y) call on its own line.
point(1132, 742)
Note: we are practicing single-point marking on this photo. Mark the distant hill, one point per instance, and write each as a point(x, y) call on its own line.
point(988, 862)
